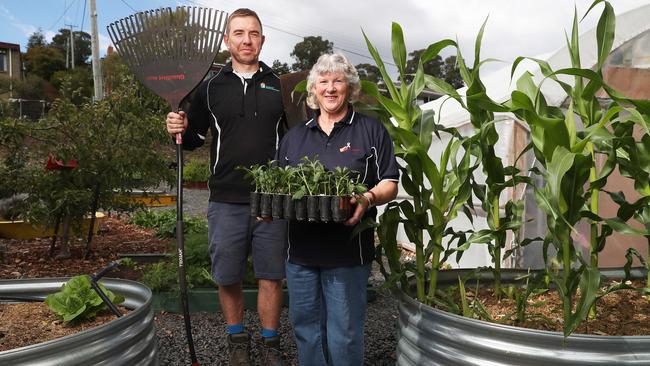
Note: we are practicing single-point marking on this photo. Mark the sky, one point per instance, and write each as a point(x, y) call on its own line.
point(514, 27)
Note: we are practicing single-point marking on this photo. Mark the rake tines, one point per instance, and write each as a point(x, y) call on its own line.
point(169, 51)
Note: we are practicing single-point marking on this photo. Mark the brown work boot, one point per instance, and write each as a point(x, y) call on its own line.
point(239, 346)
point(271, 354)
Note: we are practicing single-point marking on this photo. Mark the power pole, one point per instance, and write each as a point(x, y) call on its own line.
point(94, 39)
point(71, 44)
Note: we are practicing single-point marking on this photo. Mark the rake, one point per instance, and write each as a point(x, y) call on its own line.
point(170, 52)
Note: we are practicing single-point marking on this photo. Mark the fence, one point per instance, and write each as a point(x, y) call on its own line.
point(24, 108)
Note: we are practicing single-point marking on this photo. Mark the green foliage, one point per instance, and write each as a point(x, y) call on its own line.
point(118, 76)
point(82, 47)
point(77, 301)
point(307, 52)
point(127, 262)
point(565, 142)
point(44, 61)
point(280, 68)
point(196, 170)
point(572, 174)
point(439, 188)
point(165, 222)
point(79, 79)
point(368, 72)
point(112, 140)
point(309, 177)
point(163, 276)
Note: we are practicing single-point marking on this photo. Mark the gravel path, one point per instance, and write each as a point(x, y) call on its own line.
point(211, 347)
point(195, 202)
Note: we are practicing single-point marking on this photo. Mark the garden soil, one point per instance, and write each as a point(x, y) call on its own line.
point(17, 329)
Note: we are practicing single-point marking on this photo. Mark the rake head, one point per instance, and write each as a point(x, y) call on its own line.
point(170, 52)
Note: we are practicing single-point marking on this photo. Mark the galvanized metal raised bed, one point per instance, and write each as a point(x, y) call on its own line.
point(428, 336)
point(129, 340)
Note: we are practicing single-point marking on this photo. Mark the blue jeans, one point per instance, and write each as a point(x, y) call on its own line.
point(327, 309)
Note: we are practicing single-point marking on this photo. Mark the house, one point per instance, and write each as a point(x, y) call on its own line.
point(10, 66)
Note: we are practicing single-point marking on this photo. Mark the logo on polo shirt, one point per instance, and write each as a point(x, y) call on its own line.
point(345, 148)
point(267, 87)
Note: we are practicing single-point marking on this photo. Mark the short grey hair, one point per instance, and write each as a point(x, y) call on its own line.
point(332, 63)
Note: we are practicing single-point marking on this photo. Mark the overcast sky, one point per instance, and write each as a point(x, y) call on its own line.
point(515, 27)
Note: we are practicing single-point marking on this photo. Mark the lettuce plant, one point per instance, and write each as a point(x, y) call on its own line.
point(77, 301)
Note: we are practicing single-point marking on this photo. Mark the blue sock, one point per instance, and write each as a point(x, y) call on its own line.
point(235, 328)
point(268, 333)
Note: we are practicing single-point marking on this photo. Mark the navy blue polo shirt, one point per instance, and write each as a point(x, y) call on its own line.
point(360, 143)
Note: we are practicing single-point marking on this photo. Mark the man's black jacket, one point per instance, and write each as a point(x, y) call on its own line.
point(246, 120)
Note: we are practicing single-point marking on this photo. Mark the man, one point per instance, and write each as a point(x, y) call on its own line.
point(242, 107)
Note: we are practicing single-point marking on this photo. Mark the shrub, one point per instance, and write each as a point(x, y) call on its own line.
point(196, 170)
point(163, 276)
point(165, 222)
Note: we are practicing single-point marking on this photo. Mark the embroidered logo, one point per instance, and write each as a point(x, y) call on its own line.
point(345, 148)
point(268, 87)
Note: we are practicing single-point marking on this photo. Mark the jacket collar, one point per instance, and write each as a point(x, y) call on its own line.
point(347, 120)
point(262, 71)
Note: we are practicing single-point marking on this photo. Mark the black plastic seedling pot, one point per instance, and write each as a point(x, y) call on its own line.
point(255, 204)
point(325, 208)
point(301, 209)
point(341, 208)
point(289, 209)
point(265, 205)
point(277, 201)
point(312, 209)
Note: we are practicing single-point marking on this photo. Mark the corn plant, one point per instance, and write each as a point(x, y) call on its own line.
point(567, 154)
point(439, 188)
point(481, 110)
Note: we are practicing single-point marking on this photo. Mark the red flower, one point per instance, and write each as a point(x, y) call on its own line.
point(54, 164)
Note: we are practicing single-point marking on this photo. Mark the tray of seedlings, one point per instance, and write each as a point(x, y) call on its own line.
point(306, 192)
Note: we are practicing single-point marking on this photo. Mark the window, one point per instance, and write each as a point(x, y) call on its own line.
point(3, 60)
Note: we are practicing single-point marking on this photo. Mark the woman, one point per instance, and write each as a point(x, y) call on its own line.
point(327, 269)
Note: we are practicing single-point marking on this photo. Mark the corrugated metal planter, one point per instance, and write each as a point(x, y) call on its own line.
point(428, 336)
point(129, 340)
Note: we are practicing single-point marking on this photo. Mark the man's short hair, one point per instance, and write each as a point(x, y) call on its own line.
point(243, 12)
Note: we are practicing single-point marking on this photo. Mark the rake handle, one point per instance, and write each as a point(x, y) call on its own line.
point(180, 243)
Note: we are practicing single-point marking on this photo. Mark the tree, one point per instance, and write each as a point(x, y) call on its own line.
point(307, 52)
point(433, 67)
point(44, 61)
point(82, 47)
point(369, 72)
point(117, 75)
point(280, 68)
point(80, 80)
point(222, 57)
point(112, 141)
point(452, 73)
point(34, 87)
point(37, 39)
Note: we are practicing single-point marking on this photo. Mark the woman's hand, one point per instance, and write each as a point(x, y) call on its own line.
point(383, 192)
point(176, 122)
point(360, 204)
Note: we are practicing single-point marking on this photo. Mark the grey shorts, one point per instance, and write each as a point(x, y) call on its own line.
point(234, 234)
